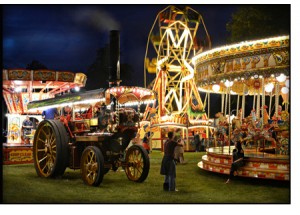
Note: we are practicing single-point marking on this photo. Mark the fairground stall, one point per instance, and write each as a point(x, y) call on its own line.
point(21, 86)
point(176, 36)
point(253, 80)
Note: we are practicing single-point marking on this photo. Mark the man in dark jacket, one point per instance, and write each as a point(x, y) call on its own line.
point(168, 166)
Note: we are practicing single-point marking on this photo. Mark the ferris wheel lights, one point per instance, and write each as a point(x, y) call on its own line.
point(281, 78)
point(284, 90)
point(216, 88)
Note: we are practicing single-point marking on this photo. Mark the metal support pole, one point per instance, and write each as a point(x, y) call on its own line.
point(263, 102)
point(276, 98)
point(270, 104)
point(222, 102)
point(258, 105)
point(229, 122)
point(237, 105)
point(226, 99)
point(243, 102)
point(208, 111)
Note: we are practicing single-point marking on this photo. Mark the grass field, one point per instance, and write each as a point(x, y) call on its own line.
point(22, 185)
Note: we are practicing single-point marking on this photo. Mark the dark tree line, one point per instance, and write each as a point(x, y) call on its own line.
point(252, 22)
point(98, 71)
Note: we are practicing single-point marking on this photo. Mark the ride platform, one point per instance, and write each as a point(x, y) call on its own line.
point(257, 164)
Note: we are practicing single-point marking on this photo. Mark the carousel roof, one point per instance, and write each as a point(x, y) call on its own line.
point(126, 94)
point(87, 97)
point(244, 67)
point(123, 94)
point(21, 86)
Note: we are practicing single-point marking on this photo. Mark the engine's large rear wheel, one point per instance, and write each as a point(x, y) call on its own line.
point(92, 166)
point(50, 149)
point(137, 163)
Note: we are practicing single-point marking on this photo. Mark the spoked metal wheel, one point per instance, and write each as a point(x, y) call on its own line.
point(137, 163)
point(92, 166)
point(50, 149)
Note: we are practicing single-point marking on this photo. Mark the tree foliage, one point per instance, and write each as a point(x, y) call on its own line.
point(251, 22)
point(98, 71)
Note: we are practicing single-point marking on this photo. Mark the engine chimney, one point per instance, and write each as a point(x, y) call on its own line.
point(114, 59)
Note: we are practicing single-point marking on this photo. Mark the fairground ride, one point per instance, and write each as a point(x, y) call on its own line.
point(21, 86)
point(177, 35)
point(255, 70)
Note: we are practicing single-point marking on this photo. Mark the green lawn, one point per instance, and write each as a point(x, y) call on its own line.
point(22, 185)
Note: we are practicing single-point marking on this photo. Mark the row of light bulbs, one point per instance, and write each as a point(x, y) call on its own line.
point(268, 88)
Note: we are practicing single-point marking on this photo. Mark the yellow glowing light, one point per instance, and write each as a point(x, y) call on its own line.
point(284, 90)
point(281, 78)
point(245, 43)
point(216, 88)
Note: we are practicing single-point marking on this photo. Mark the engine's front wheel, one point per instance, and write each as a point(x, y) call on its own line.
point(92, 166)
point(137, 163)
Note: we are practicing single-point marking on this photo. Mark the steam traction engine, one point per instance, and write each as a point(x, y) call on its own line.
point(89, 140)
point(92, 142)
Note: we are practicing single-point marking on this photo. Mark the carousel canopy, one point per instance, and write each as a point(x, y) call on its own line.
point(242, 66)
point(87, 97)
point(126, 94)
point(21, 86)
point(123, 94)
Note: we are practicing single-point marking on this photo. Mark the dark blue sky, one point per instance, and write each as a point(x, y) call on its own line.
point(67, 37)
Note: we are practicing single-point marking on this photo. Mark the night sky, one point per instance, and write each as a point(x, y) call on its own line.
point(67, 37)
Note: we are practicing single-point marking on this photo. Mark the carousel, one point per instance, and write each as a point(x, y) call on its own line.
point(252, 78)
point(21, 86)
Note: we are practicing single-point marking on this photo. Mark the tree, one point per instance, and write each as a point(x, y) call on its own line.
point(35, 65)
point(252, 22)
point(98, 72)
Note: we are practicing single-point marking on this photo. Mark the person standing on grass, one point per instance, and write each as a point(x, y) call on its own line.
point(197, 141)
point(168, 166)
point(178, 151)
point(237, 160)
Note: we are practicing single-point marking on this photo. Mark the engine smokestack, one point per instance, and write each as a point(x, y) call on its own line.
point(114, 59)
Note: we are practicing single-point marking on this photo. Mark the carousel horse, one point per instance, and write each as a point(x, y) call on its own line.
point(265, 114)
point(267, 134)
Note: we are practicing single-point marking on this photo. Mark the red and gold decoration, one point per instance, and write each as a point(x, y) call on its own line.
point(21, 86)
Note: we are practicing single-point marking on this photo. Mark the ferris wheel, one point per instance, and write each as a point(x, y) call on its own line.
point(177, 35)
